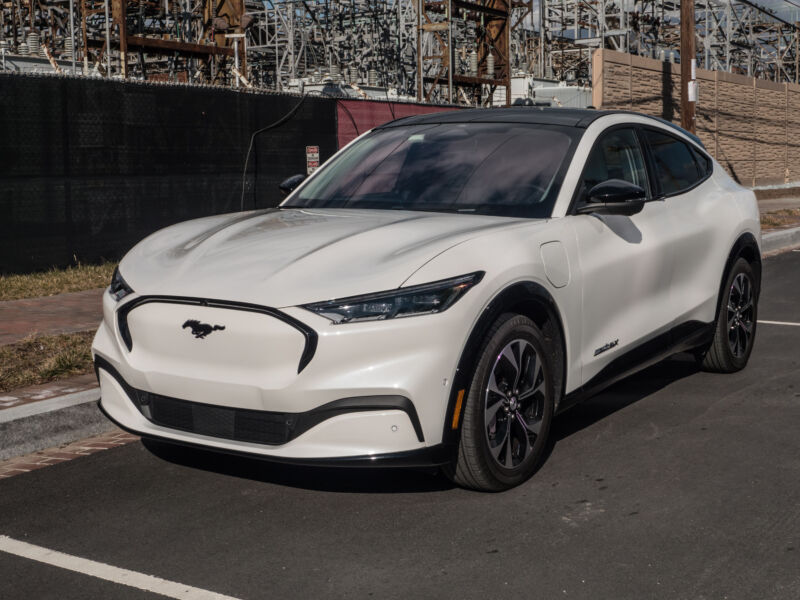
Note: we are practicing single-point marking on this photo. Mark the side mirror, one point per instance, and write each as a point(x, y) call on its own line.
point(288, 185)
point(614, 197)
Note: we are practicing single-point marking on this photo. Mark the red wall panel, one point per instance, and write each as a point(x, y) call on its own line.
point(354, 117)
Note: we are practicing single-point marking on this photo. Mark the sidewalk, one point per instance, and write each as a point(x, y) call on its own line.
point(774, 204)
point(48, 315)
point(49, 415)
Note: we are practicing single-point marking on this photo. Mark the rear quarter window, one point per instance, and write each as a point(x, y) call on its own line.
point(703, 162)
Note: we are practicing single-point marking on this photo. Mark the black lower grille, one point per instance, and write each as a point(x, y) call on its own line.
point(261, 427)
point(244, 425)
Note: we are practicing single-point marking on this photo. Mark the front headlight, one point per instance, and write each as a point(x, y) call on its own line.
point(424, 299)
point(119, 287)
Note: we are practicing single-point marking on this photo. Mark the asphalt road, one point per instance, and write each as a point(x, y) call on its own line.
point(673, 484)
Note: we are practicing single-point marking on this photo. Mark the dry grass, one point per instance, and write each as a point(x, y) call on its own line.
point(56, 281)
point(786, 217)
point(783, 192)
point(36, 360)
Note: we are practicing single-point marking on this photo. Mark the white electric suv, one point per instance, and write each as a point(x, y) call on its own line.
point(436, 293)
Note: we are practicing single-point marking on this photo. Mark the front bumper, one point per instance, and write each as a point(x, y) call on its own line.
point(431, 456)
point(373, 392)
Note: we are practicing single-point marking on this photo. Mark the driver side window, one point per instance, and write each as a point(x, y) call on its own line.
point(617, 155)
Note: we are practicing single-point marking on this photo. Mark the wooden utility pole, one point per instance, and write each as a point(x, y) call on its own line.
point(688, 65)
point(119, 12)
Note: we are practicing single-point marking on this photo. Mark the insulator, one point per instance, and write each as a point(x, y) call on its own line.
point(372, 77)
point(490, 66)
point(353, 74)
point(33, 43)
point(473, 63)
point(23, 49)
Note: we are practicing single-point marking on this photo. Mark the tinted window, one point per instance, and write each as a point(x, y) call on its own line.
point(485, 168)
point(617, 155)
point(676, 169)
point(703, 162)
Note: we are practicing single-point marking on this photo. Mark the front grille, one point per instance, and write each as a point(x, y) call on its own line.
point(243, 425)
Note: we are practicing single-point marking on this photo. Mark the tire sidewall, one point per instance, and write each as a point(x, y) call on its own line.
point(514, 327)
point(741, 266)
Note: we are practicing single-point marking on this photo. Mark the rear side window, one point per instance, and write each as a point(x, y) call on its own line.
point(675, 164)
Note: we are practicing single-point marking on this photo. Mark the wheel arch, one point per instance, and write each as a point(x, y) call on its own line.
point(745, 247)
point(526, 298)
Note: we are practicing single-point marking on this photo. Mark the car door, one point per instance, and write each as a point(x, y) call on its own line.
point(625, 261)
point(698, 209)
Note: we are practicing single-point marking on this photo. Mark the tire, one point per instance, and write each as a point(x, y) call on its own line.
point(504, 429)
point(735, 329)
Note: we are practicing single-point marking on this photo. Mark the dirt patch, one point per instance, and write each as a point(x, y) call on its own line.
point(781, 219)
point(56, 281)
point(36, 360)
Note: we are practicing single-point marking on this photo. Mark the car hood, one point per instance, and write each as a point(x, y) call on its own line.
point(286, 257)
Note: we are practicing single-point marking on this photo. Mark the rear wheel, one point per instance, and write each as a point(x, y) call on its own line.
point(508, 410)
point(735, 329)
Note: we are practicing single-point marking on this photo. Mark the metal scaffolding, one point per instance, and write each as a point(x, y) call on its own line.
point(463, 50)
point(737, 36)
point(360, 41)
point(460, 51)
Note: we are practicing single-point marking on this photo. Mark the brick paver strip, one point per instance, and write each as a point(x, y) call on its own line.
point(48, 315)
point(52, 456)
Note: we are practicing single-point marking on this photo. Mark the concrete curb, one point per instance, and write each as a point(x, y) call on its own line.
point(43, 406)
point(47, 423)
point(783, 239)
point(53, 428)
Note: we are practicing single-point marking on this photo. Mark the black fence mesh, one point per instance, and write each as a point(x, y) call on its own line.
point(90, 167)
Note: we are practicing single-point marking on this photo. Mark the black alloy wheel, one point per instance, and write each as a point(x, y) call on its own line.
point(735, 329)
point(514, 403)
point(508, 408)
point(740, 311)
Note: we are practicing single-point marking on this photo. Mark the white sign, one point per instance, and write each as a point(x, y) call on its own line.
point(312, 159)
point(693, 91)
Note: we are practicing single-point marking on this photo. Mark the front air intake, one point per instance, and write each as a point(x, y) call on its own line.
point(242, 425)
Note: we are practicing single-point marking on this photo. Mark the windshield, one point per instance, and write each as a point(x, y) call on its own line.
point(482, 168)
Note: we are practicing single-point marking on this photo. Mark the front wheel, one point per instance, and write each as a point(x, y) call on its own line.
point(735, 329)
point(508, 410)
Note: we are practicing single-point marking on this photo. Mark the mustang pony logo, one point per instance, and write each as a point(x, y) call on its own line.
point(201, 330)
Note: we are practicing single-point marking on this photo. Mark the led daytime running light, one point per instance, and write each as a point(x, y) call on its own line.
point(427, 298)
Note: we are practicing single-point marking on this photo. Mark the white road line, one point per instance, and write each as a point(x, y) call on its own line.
point(148, 583)
point(780, 323)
